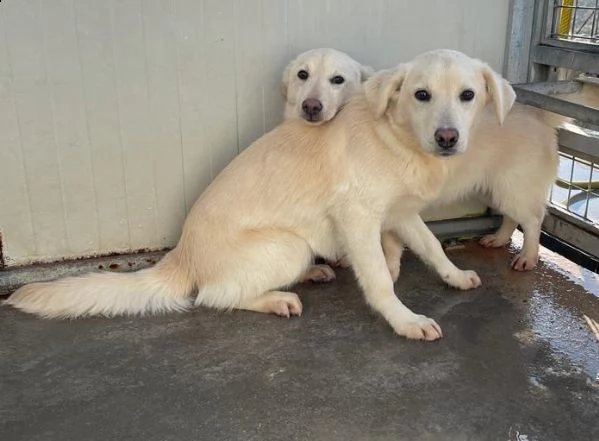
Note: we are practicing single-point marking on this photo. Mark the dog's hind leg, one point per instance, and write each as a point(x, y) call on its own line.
point(393, 249)
point(280, 303)
point(321, 273)
point(528, 256)
point(502, 236)
point(248, 272)
point(528, 212)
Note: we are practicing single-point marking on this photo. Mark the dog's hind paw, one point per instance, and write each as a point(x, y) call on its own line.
point(342, 262)
point(463, 280)
point(319, 274)
point(281, 303)
point(493, 241)
point(524, 263)
point(419, 327)
point(394, 269)
point(287, 307)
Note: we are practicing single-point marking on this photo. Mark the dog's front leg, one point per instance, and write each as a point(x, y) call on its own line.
point(362, 239)
point(417, 236)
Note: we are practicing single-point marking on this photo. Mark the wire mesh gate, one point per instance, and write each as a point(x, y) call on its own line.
point(561, 49)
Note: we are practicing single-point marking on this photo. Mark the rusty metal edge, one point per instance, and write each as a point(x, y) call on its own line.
point(12, 278)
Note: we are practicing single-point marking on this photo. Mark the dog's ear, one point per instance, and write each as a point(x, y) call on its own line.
point(365, 72)
point(500, 91)
point(285, 80)
point(381, 86)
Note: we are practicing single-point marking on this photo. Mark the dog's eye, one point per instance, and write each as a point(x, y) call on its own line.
point(422, 95)
point(467, 95)
point(337, 79)
point(303, 75)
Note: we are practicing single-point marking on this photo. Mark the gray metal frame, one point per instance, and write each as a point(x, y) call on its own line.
point(534, 60)
point(531, 53)
point(12, 278)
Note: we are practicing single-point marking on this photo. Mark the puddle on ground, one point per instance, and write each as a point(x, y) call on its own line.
point(573, 272)
point(563, 312)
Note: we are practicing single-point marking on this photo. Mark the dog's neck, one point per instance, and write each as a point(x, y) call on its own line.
point(404, 146)
point(402, 141)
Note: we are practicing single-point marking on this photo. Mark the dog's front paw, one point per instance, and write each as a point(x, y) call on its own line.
point(419, 327)
point(463, 280)
point(524, 263)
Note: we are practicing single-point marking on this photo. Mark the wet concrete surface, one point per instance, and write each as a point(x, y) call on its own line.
point(519, 361)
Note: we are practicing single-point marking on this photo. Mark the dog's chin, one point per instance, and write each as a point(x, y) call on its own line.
point(313, 121)
point(446, 152)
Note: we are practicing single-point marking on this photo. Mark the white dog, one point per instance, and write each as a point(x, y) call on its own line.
point(318, 83)
point(510, 166)
point(300, 191)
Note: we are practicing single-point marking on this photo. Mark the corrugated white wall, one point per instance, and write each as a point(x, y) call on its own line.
point(116, 114)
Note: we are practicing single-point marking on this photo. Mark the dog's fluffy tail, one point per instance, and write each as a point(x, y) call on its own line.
point(587, 96)
point(555, 120)
point(165, 287)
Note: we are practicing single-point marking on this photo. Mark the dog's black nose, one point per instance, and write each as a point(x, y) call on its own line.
point(446, 138)
point(312, 107)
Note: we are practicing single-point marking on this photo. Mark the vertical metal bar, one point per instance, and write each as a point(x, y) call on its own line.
point(573, 27)
point(593, 194)
point(555, 19)
point(588, 192)
point(564, 18)
point(570, 186)
point(2, 262)
point(594, 15)
point(519, 40)
point(541, 22)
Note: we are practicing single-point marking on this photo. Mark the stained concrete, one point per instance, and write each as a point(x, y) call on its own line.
point(518, 362)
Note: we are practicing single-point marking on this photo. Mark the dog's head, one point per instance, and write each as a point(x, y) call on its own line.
point(319, 82)
point(438, 96)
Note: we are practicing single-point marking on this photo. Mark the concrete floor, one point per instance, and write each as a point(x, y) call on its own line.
point(518, 362)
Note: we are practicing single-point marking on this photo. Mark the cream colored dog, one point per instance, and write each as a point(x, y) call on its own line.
point(318, 83)
point(511, 167)
point(300, 191)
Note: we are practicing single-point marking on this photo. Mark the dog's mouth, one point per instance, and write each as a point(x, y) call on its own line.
point(320, 117)
point(312, 119)
point(445, 152)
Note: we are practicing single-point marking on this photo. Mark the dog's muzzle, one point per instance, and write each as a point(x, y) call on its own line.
point(312, 110)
